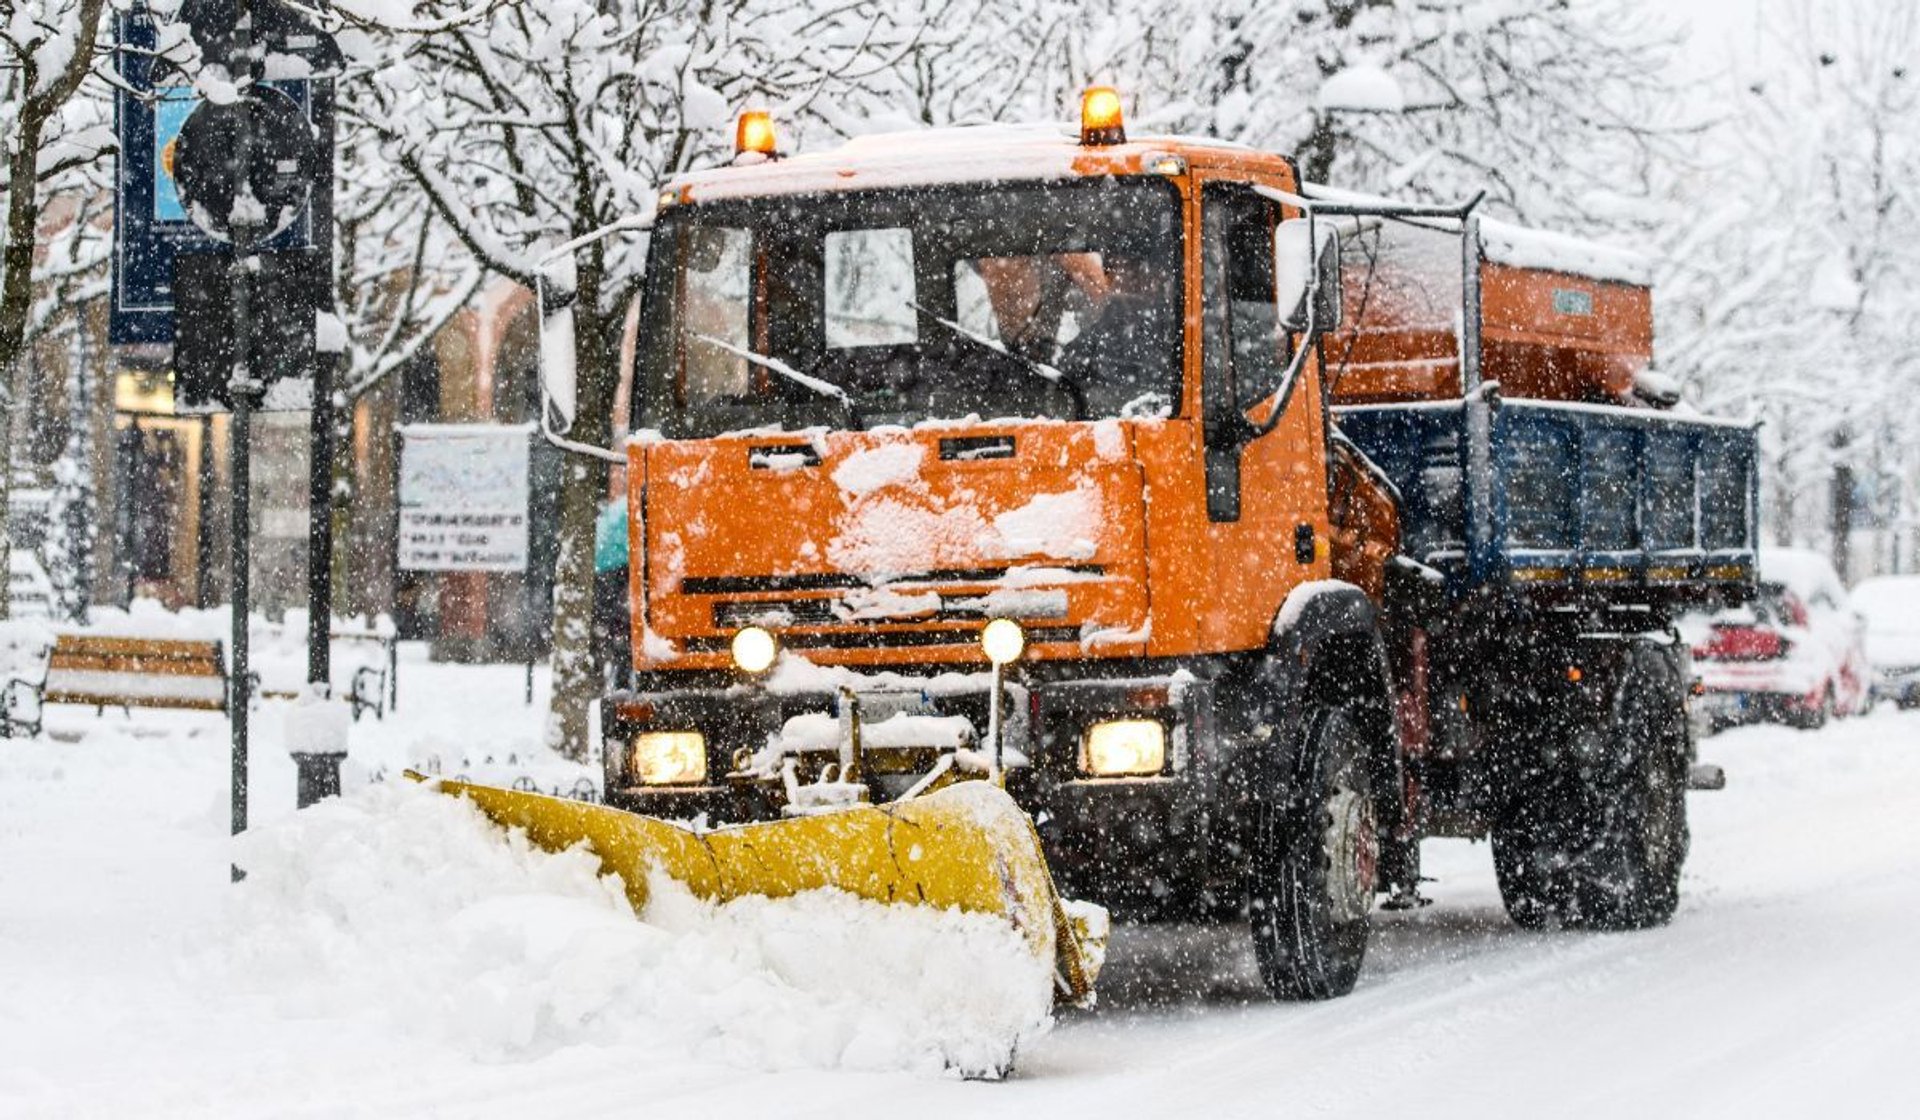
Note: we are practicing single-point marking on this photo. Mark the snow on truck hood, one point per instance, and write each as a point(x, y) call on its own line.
point(1041, 522)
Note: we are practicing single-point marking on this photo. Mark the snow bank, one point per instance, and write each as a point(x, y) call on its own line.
point(23, 646)
point(409, 906)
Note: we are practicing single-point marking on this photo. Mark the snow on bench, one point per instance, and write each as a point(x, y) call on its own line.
point(121, 672)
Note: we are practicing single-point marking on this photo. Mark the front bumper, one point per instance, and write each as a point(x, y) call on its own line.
point(1731, 709)
point(1142, 846)
point(1901, 684)
point(1784, 678)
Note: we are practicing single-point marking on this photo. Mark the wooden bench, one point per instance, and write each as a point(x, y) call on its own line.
point(117, 672)
point(372, 688)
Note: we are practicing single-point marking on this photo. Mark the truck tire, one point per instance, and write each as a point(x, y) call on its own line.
point(1601, 847)
point(1315, 864)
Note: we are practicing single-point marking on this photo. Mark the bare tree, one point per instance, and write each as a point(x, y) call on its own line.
point(47, 51)
point(1564, 112)
point(1794, 270)
point(400, 276)
point(527, 127)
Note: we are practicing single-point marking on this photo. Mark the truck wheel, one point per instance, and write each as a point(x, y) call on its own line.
point(1602, 848)
point(1315, 866)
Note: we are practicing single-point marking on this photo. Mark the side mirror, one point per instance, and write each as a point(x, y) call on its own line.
point(1304, 271)
point(559, 379)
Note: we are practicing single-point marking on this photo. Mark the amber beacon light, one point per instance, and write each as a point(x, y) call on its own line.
point(754, 133)
point(1100, 120)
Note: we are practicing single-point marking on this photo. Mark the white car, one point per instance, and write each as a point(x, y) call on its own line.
point(1795, 654)
point(1892, 608)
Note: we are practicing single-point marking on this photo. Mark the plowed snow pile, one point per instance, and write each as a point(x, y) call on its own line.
point(407, 904)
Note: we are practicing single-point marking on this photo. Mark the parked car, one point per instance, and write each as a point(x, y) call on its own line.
point(1796, 654)
point(1891, 605)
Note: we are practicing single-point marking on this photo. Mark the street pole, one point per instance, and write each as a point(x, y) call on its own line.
point(320, 525)
point(242, 389)
point(240, 688)
point(319, 770)
point(1841, 504)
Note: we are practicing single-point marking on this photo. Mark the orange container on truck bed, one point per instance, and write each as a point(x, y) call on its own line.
point(1561, 319)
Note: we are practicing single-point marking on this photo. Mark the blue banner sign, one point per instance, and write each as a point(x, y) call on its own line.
point(150, 225)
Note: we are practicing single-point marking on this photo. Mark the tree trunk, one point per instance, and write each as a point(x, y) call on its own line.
point(1842, 507)
point(583, 487)
point(16, 298)
point(41, 98)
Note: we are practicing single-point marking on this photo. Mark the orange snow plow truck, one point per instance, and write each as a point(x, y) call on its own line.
point(1207, 538)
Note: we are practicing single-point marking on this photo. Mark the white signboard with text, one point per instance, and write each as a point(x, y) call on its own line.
point(463, 497)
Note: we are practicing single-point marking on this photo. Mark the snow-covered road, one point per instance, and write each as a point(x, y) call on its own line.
point(1789, 985)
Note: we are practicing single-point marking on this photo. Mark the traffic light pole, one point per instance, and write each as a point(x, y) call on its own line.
point(244, 165)
point(241, 686)
point(243, 389)
point(319, 771)
point(320, 526)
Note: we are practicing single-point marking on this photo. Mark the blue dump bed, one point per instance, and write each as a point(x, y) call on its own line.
point(1569, 502)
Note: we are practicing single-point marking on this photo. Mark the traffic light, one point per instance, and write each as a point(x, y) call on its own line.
point(276, 27)
point(286, 166)
point(283, 297)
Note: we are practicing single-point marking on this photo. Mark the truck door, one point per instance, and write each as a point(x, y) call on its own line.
point(1265, 494)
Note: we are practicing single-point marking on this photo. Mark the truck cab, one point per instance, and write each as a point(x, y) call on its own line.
point(925, 380)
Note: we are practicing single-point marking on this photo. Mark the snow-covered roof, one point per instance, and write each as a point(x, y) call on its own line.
point(1523, 247)
point(934, 156)
point(1801, 569)
point(1520, 247)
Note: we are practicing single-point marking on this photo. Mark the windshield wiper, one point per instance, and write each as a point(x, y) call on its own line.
point(775, 365)
point(1038, 368)
point(1032, 365)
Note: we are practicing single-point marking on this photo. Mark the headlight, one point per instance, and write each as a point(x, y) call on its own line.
point(754, 648)
point(1003, 641)
point(1124, 746)
point(669, 758)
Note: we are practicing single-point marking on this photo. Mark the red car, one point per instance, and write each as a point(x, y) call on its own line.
point(1796, 654)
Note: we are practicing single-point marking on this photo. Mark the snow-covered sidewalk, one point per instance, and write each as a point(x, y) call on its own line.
point(379, 966)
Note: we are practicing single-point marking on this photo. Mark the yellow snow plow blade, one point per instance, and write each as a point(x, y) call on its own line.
point(967, 846)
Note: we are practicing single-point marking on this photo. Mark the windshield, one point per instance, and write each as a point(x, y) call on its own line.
point(1044, 300)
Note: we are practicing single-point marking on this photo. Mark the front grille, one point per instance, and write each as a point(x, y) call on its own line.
point(732, 614)
point(889, 639)
point(829, 581)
